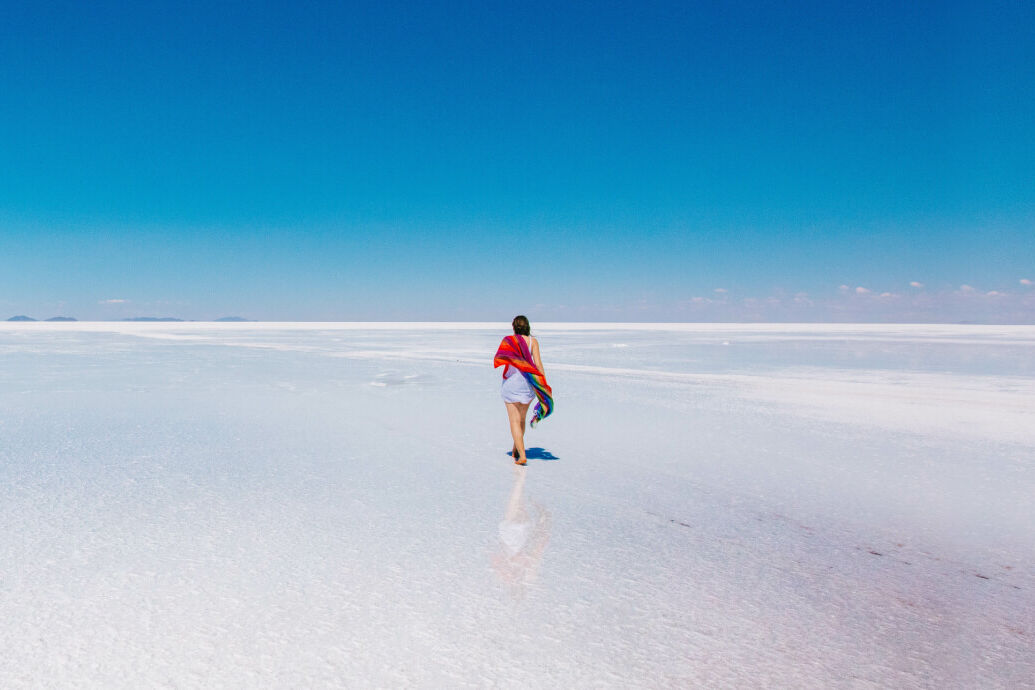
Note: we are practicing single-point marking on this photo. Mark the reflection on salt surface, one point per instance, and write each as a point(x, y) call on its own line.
point(181, 478)
point(523, 536)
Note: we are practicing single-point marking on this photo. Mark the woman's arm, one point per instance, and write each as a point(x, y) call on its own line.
point(535, 356)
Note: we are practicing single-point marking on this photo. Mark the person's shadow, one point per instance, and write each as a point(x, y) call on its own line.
point(538, 454)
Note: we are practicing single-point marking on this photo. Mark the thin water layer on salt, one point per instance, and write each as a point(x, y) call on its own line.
point(326, 505)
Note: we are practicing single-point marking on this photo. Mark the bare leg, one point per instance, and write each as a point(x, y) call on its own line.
point(516, 412)
point(524, 411)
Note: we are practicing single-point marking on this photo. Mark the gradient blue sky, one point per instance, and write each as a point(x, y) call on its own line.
point(571, 161)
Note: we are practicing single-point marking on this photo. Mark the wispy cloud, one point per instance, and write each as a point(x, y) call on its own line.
point(113, 301)
point(861, 290)
point(721, 291)
point(917, 284)
point(1026, 282)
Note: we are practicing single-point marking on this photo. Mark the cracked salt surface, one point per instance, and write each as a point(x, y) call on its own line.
point(319, 505)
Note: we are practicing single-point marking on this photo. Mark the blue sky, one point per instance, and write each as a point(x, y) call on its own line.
point(572, 161)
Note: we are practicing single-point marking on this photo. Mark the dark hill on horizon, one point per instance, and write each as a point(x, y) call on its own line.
point(22, 317)
point(234, 319)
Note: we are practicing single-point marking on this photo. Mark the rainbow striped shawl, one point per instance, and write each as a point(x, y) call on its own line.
point(513, 351)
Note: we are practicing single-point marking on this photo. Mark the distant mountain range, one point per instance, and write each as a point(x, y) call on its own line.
point(52, 318)
point(225, 319)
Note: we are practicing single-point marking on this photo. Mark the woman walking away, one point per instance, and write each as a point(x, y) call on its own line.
point(523, 381)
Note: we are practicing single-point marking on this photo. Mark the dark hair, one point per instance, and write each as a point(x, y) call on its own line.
point(520, 324)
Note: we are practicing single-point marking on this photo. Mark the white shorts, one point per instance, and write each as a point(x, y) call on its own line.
point(517, 389)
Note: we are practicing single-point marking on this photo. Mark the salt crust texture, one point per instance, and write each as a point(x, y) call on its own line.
point(326, 505)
